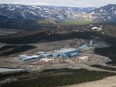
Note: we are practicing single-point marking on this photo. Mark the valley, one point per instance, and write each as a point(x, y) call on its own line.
point(30, 42)
point(57, 46)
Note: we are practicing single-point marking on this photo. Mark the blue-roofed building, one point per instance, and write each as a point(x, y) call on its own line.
point(26, 58)
point(67, 52)
point(64, 53)
point(45, 54)
point(84, 46)
point(87, 45)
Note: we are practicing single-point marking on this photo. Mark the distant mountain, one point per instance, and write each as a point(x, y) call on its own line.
point(38, 12)
point(21, 15)
point(105, 14)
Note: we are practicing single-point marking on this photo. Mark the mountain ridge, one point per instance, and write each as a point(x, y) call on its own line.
point(54, 14)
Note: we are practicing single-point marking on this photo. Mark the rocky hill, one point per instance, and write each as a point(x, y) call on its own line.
point(38, 12)
point(20, 15)
point(105, 14)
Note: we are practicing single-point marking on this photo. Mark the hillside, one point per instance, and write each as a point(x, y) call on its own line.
point(32, 17)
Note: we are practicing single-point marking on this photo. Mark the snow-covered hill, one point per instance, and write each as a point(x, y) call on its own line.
point(105, 14)
point(19, 15)
point(37, 12)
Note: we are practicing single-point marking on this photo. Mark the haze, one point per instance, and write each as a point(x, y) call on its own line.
point(69, 3)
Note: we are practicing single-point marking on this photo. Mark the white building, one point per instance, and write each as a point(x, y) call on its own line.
point(84, 57)
point(97, 28)
point(46, 59)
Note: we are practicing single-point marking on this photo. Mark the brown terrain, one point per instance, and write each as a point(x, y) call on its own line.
point(106, 82)
point(31, 42)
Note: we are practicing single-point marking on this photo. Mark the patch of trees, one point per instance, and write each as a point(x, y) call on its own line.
point(108, 39)
point(13, 49)
point(14, 23)
point(109, 52)
point(45, 37)
point(12, 74)
point(52, 80)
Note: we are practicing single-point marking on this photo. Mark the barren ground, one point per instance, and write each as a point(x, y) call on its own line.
point(107, 82)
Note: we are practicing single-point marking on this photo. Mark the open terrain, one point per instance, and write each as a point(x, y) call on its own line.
point(57, 46)
point(53, 38)
point(103, 58)
point(55, 78)
point(107, 82)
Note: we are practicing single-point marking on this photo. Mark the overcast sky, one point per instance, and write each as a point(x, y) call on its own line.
point(71, 3)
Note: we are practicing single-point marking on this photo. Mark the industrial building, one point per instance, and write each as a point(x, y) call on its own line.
point(67, 52)
point(47, 59)
point(26, 58)
point(61, 53)
point(87, 45)
point(45, 54)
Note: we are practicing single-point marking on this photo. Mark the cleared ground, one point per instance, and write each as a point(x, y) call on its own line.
point(9, 70)
point(65, 36)
point(107, 82)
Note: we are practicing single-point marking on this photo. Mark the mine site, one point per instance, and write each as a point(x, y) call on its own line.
point(55, 43)
point(59, 47)
point(73, 47)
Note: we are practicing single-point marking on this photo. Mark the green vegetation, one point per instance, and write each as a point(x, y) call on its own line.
point(13, 23)
point(26, 24)
point(60, 77)
point(44, 37)
point(12, 49)
point(12, 74)
point(46, 21)
point(109, 52)
point(77, 22)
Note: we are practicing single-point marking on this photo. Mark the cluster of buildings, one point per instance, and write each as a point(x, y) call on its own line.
point(61, 53)
point(48, 56)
